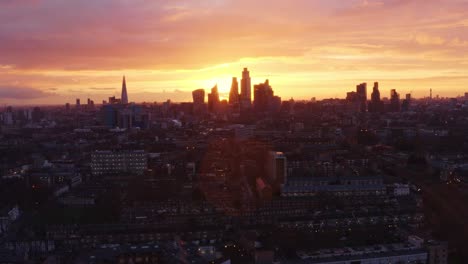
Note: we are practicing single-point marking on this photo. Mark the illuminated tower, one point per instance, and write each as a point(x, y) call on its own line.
point(124, 92)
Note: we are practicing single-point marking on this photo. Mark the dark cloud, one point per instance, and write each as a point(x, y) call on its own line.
point(14, 92)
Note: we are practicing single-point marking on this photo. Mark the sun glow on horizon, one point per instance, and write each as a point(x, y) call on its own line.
point(307, 49)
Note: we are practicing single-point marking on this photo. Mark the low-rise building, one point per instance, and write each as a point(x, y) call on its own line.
point(114, 162)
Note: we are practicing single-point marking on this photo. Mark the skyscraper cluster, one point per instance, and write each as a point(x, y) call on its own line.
point(241, 102)
point(117, 112)
point(264, 98)
point(124, 96)
point(375, 105)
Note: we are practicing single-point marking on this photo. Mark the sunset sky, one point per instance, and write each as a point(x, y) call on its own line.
point(52, 51)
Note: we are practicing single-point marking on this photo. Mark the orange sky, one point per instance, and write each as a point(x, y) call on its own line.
point(52, 51)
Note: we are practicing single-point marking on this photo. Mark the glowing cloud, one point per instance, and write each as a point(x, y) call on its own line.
point(306, 48)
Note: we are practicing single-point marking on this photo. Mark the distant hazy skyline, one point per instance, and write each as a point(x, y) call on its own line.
point(52, 51)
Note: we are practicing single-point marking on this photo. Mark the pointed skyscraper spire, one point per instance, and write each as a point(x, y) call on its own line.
point(124, 92)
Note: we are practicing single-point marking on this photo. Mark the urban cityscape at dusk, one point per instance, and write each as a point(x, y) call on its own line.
point(233, 132)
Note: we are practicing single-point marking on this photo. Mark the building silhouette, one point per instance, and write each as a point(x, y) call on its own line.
point(408, 97)
point(198, 101)
point(394, 101)
point(114, 162)
point(264, 99)
point(113, 100)
point(376, 104)
point(246, 93)
point(117, 112)
point(361, 93)
point(124, 97)
point(276, 168)
point(198, 96)
point(90, 104)
point(405, 104)
point(213, 99)
point(375, 96)
point(234, 95)
point(351, 96)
